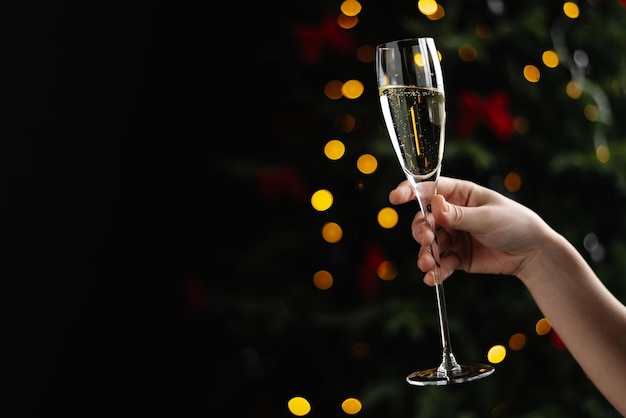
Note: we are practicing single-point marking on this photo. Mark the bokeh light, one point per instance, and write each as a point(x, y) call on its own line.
point(512, 182)
point(543, 326)
point(352, 89)
point(439, 13)
point(332, 89)
point(350, 7)
point(345, 122)
point(366, 53)
point(387, 217)
point(427, 7)
point(532, 73)
point(467, 53)
point(496, 354)
point(591, 112)
point(334, 149)
point(387, 270)
point(299, 406)
point(323, 280)
point(571, 9)
point(347, 22)
point(322, 200)
point(367, 163)
point(351, 406)
point(419, 60)
point(332, 232)
point(603, 154)
point(573, 90)
point(550, 59)
point(517, 341)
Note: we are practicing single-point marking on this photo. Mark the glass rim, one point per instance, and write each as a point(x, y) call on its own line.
point(405, 40)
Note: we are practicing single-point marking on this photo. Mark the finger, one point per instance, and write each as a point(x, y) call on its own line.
point(422, 233)
point(425, 260)
point(444, 240)
point(402, 193)
point(448, 264)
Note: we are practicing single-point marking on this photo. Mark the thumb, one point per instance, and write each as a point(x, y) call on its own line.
point(448, 215)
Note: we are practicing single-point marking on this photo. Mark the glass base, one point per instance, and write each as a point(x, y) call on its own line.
point(439, 376)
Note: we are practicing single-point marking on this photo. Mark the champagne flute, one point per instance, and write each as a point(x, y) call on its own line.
point(412, 99)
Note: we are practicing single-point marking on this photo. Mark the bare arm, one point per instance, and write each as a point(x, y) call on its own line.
point(484, 232)
point(587, 317)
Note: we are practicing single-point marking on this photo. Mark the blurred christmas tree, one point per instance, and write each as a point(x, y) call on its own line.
point(536, 100)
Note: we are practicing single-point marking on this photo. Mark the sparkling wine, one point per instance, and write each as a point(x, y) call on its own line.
point(415, 118)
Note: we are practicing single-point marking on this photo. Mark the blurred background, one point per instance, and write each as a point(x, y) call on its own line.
point(196, 215)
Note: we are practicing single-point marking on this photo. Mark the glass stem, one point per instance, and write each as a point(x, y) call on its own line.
point(448, 362)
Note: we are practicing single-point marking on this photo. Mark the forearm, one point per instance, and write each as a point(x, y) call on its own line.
point(590, 321)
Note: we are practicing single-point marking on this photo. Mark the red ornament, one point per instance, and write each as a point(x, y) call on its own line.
point(368, 272)
point(492, 111)
point(556, 341)
point(313, 40)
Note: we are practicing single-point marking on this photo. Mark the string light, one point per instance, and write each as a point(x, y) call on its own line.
point(334, 149)
point(332, 232)
point(351, 406)
point(367, 164)
point(299, 406)
point(322, 200)
point(323, 280)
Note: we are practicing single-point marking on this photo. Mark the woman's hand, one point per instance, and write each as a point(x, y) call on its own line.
point(478, 230)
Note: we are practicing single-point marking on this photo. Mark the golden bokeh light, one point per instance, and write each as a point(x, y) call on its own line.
point(550, 59)
point(467, 53)
point(517, 341)
point(332, 232)
point(603, 154)
point(347, 22)
point(496, 354)
point(419, 60)
point(350, 7)
point(427, 7)
point(573, 90)
point(352, 89)
point(387, 270)
point(367, 163)
point(591, 112)
point(334, 149)
point(531, 73)
point(512, 182)
point(332, 89)
point(351, 406)
point(366, 53)
point(323, 280)
point(543, 326)
point(345, 122)
point(299, 406)
point(387, 217)
point(439, 13)
point(322, 200)
point(571, 9)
